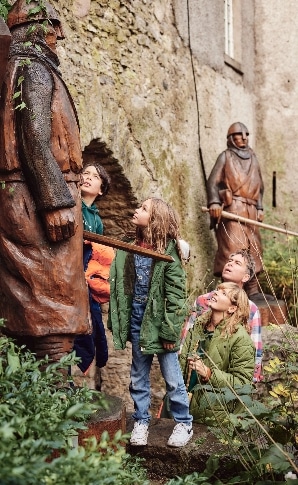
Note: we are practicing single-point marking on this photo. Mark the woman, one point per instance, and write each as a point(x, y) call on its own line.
point(218, 353)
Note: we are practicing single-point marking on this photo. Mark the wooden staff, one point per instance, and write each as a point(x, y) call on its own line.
point(235, 217)
point(125, 246)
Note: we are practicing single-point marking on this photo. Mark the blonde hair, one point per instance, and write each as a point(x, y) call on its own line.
point(238, 298)
point(163, 225)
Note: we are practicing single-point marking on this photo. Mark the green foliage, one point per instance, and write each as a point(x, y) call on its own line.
point(4, 8)
point(40, 416)
point(280, 276)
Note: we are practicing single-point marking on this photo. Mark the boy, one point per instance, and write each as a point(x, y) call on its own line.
point(97, 260)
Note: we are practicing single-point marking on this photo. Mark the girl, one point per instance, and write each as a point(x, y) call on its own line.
point(148, 307)
point(218, 352)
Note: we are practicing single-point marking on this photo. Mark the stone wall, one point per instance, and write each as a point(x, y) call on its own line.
point(155, 95)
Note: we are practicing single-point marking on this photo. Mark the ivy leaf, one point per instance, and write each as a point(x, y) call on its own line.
point(16, 95)
point(31, 29)
point(34, 10)
point(20, 80)
point(21, 106)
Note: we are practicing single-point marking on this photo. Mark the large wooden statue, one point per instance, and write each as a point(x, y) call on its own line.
point(235, 185)
point(43, 295)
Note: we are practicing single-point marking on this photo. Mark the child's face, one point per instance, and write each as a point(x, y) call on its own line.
point(221, 302)
point(142, 215)
point(91, 186)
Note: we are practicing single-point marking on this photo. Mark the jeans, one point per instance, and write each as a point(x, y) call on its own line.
point(140, 382)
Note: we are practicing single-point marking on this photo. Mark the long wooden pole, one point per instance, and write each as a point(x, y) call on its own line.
point(125, 246)
point(235, 217)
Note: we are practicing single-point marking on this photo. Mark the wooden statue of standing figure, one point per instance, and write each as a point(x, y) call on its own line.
point(43, 294)
point(235, 185)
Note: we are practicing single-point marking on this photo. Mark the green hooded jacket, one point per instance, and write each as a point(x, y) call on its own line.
point(166, 307)
point(231, 360)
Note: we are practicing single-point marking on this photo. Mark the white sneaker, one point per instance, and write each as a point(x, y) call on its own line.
point(181, 435)
point(139, 434)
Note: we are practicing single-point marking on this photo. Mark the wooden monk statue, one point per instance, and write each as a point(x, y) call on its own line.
point(235, 185)
point(43, 294)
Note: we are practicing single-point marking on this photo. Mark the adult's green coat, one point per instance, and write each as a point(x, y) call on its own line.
point(231, 359)
point(166, 306)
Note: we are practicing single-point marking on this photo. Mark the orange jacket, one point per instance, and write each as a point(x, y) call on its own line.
point(98, 272)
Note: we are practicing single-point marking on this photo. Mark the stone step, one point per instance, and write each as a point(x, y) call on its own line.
point(161, 461)
point(165, 462)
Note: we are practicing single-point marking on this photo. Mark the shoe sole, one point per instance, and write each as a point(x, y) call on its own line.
point(138, 444)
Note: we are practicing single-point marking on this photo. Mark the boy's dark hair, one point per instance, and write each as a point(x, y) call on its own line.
point(250, 263)
point(105, 178)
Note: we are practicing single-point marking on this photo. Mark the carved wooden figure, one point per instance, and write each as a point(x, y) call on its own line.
point(43, 294)
point(235, 185)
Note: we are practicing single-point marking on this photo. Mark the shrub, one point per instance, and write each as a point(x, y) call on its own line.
point(41, 413)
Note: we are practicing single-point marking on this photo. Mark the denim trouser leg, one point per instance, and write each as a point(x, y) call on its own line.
point(140, 384)
point(176, 390)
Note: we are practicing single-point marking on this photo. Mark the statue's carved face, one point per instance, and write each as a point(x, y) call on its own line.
point(239, 141)
point(52, 34)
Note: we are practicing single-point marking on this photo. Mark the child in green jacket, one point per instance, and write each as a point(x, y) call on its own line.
point(148, 307)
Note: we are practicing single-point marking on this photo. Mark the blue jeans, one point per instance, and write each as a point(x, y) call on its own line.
point(140, 383)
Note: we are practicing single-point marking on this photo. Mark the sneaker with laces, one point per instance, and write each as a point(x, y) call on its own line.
point(139, 434)
point(181, 435)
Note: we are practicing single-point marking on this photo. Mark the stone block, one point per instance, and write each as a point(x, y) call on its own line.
point(162, 461)
point(111, 420)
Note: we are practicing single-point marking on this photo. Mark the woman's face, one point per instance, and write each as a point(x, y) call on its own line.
point(142, 215)
point(221, 302)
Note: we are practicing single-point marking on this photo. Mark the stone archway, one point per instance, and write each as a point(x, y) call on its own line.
point(118, 206)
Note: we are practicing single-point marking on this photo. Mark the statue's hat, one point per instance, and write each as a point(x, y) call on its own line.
point(23, 12)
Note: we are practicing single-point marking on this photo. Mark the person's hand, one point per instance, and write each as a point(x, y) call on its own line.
point(198, 365)
point(215, 211)
point(260, 215)
point(168, 345)
point(60, 224)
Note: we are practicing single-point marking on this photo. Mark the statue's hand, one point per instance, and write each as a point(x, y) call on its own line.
point(260, 215)
point(215, 211)
point(60, 224)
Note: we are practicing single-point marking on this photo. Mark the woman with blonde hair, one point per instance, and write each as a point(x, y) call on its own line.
point(218, 353)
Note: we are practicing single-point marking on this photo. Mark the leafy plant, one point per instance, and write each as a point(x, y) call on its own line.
point(4, 8)
point(280, 276)
point(41, 414)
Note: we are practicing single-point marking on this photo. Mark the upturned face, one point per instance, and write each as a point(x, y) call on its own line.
point(91, 186)
point(142, 215)
point(220, 302)
point(235, 270)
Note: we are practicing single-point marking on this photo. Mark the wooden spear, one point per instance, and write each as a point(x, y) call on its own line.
point(235, 217)
point(125, 246)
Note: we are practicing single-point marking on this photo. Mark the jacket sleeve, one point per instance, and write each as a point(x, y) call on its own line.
point(43, 175)
point(241, 360)
point(98, 270)
point(215, 179)
point(176, 307)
